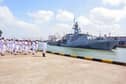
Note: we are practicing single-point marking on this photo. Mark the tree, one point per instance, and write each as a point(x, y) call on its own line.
point(1, 33)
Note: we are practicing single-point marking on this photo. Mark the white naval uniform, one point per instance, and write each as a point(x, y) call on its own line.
point(33, 47)
point(1, 46)
point(44, 47)
point(26, 48)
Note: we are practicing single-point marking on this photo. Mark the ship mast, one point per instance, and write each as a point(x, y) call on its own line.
point(76, 27)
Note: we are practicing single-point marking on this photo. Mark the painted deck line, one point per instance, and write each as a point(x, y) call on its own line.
point(90, 58)
point(74, 56)
point(106, 61)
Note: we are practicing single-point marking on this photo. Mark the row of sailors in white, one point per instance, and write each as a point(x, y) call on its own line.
point(18, 46)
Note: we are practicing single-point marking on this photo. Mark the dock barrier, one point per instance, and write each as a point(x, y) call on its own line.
point(90, 58)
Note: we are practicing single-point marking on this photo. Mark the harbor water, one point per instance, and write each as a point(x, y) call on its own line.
point(118, 54)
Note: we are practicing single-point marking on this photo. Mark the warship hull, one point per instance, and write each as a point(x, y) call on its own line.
point(102, 45)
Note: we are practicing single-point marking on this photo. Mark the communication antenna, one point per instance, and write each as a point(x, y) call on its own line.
point(74, 20)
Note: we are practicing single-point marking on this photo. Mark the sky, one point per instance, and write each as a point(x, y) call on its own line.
point(37, 19)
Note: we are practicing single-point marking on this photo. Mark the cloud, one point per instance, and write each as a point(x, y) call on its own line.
point(107, 16)
point(61, 28)
point(41, 16)
point(12, 27)
point(5, 14)
point(63, 15)
point(106, 20)
point(16, 28)
point(47, 22)
point(103, 16)
point(100, 20)
point(114, 2)
point(83, 20)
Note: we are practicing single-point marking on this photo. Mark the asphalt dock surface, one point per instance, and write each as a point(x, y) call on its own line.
point(55, 69)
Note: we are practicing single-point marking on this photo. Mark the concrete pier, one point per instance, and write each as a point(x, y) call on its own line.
point(55, 69)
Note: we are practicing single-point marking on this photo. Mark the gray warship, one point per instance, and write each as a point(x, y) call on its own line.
point(79, 40)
